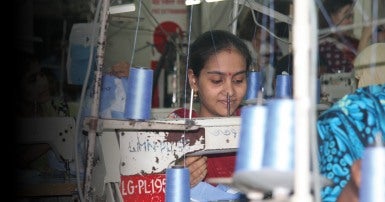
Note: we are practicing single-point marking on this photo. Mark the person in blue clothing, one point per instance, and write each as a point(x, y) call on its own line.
point(344, 130)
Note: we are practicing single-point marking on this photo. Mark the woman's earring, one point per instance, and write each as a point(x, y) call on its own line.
point(195, 96)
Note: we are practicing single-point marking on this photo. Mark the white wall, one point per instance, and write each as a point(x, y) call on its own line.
point(206, 16)
point(120, 39)
point(120, 36)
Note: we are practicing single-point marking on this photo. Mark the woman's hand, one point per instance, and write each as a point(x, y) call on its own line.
point(366, 34)
point(197, 167)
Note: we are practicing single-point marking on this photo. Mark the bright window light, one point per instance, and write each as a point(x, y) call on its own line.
point(192, 2)
point(213, 0)
point(123, 8)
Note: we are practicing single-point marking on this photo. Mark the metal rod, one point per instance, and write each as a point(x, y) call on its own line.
point(302, 39)
point(228, 104)
point(95, 104)
point(235, 17)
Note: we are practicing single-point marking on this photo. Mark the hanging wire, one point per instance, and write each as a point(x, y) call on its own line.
point(337, 25)
point(352, 26)
point(327, 17)
point(188, 121)
point(171, 39)
point(234, 18)
point(188, 57)
point(136, 33)
point(272, 42)
point(265, 28)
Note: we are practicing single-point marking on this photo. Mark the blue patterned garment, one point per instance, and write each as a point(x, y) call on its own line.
point(345, 130)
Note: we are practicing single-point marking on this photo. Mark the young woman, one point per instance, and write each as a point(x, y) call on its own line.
point(36, 91)
point(338, 50)
point(344, 131)
point(35, 97)
point(217, 73)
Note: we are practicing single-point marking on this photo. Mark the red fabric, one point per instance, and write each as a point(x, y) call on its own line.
point(183, 113)
point(218, 165)
point(338, 53)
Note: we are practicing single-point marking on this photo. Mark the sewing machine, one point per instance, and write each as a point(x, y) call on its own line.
point(59, 133)
point(132, 156)
point(335, 86)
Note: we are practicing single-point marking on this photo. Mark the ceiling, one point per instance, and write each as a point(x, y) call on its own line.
point(60, 9)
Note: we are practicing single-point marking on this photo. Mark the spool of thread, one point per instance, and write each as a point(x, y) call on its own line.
point(373, 174)
point(254, 84)
point(177, 184)
point(139, 94)
point(284, 86)
point(252, 134)
point(279, 138)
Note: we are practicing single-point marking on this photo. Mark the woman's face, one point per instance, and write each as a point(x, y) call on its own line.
point(223, 75)
point(343, 17)
point(35, 85)
point(263, 47)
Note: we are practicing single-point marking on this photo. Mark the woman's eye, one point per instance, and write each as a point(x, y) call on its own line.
point(217, 81)
point(238, 81)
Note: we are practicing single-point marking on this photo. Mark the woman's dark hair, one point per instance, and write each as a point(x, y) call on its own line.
point(210, 43)
point(331, 7)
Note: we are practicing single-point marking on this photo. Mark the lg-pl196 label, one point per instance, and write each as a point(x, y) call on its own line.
point(149, 187)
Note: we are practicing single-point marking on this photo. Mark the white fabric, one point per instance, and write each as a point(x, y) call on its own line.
point(369, 65)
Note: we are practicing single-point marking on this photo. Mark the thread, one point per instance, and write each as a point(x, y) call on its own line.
point(279, 139)
point(139, 94)
point(252, 134)
point(191, 103)
point(254, 84)
point(177, 184)
point(373, 174)
point(284, 86)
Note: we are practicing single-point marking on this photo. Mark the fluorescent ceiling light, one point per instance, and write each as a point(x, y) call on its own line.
point(123, 8)
point(213, 0)
point(192, 2)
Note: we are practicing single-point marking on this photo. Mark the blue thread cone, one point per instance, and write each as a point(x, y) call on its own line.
point(177, 184)
point(252, 134)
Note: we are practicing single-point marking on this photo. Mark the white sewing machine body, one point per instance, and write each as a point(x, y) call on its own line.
point(336, 85)
point(58, 132)
point(128, 148)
